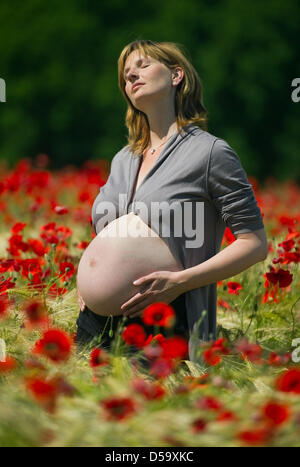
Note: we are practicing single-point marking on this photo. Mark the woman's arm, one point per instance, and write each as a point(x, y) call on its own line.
point(246, 250)
point(234, 199)
point(249, 248)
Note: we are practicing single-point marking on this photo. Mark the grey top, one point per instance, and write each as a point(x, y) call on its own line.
point(204, 172)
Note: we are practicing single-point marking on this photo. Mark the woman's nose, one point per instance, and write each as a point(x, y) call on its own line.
point(132, 75)
point(133, 78)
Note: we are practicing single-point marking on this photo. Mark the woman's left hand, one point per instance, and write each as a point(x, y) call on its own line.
point(159, 286)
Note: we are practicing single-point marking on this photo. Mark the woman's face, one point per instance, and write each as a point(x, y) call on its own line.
point(154, 76)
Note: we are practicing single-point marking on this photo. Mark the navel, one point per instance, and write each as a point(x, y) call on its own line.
point(93, 262)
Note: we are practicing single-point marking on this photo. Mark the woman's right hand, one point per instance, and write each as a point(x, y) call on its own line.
point(80, 301)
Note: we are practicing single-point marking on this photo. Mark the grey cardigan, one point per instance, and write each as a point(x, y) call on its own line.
point(193, 167)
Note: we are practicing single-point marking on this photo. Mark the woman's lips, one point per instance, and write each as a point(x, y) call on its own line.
point(135, 86)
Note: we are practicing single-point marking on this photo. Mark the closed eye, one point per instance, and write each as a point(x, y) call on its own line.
point(125, 79)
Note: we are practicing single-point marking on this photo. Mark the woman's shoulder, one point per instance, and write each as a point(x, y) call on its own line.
point(121, 157)
point(206, 138)
point(206, 144)
point(215, 146)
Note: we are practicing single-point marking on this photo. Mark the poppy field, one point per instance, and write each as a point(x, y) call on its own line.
point(245, 390)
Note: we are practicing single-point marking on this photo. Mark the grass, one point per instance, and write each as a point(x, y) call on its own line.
point(240, 386)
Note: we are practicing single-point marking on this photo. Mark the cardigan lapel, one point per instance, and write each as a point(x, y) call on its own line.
point(135, 163)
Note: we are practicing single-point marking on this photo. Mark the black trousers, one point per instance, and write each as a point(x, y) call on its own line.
point(90, 325)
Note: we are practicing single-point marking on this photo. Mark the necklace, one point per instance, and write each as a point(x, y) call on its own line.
point(152, 151)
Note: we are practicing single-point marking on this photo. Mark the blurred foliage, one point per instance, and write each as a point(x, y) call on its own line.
point(59, 61)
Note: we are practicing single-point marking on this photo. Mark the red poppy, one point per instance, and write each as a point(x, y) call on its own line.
point(63, 232)
point(226, 416)
point(287, 245)
point(83, 196)
point(8, 364)
point(291, 257)
point(31, 266)
point(234, 287)
point(150, 391)
point(152, 350)
point(38, 179)
point(223, 303)
point(161, 367)
point(159, 314)
point(271, 294)
point(98, 358)
point(220, 346)
point(4, 303)
point(82, 245)
point(61, 209)
point(287, 220)
point(276, 359)
point(159, 338)
point(289, 381)
point(38, 247)
point(55, 290)
point(248, 350)
point(198, 425)
point(212, 356)
point(49, 226)
point(12, 264)
point(36, 314)
point(118, 408)
point(45, 392)
point(51, 233)
point(18, 227)
point(66, 270)
point(174, 347)
point(259, 436)
point(282, 277)
point(134, 334)
point(208, 403)
point(276, 413)
point(292, 234)
point(16, 243)
point(55, 344)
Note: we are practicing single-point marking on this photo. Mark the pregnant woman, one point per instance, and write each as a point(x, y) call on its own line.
point(161, 216)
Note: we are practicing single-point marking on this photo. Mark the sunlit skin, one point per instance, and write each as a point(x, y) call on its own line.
point(155, 97)
point(112, 262)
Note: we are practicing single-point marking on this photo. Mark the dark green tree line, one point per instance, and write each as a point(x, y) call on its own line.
point(59, 61)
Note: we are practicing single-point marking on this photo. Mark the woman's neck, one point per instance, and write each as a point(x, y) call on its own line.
point(159, 136)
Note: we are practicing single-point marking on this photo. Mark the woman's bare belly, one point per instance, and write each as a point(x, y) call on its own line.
point(123, 251)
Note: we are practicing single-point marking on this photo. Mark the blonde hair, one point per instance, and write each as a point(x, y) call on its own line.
point(189, 108)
